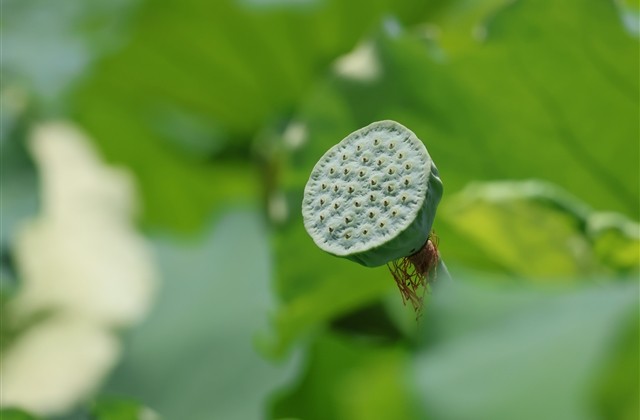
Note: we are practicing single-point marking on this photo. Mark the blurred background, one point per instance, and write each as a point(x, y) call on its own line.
point(153, 258)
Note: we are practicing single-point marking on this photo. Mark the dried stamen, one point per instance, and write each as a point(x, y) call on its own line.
point(414, 273)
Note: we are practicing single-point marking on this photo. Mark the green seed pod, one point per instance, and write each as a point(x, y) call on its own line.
point(372, 197)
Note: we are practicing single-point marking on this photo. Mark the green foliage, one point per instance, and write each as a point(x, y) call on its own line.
point(15, 414)
point(528, 353)
point(114, 408)
point(528, 108)
point(194, 358)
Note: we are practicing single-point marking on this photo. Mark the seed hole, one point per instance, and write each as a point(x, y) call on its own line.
point(379, 162)
point(347, 220)
point(358, 148)
point(357, 204)
point(346, 171)
point(364, 232)
point(406, 182)
point(331, 171)
point(324, 186)
point(376, 142)
point(330, 230)
point(335, 206)
point(365, 159)
point(361, 173)
point(344, 157)
point(373, 182)
point(335, 187)
point(350, 190)
point(371, 215)
point(321, 201)
point(372, 197)
point(389, 188)
point(391, 171)
point(321, 218)
point(381, 224)
point(386, 203)
point(404, 198)
point(407, 166)
point(393, 213)
point(400, 155)
point(391, 145)
point(347, 236)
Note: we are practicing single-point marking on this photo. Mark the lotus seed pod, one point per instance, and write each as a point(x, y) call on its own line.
point(372, 197)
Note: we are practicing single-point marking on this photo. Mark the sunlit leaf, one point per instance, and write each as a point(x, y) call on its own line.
point(536, 230)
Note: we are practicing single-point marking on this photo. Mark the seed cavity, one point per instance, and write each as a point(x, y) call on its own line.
point(358, 148)
point(365, 159)
point(357, 204)
point(346, 171)
point(331, 171)
point(347, 220)
point(361, 173)
point(374, 182)
point(335, 187)
point(391, 145)
point(347, 236)
point(404, 198)
point(393, 213)
point(330, 230)
point(344, 157)
point(376, 142)
point(406, 182)
point(364, 232)
point(407, 166)
point(350, 190)
point(321, 218)
point(372, 197)
point(386, 203)
point(400, 155)
point(379, 162)
point(336, 205)
point(371, 215)
point(390, 188)
point(381, 224)
point(321, 201)
point(391, 171)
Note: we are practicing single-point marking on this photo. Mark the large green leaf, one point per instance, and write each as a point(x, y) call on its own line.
point(496, 353)
point(194, 357)
point(351, 379)
point(512, 105)
point(547, 93)
point(197, 78)
point(536, 230)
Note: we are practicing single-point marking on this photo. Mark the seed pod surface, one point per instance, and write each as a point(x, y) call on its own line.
point(372, 197)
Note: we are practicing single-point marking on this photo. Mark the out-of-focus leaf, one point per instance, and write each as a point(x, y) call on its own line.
point(316, 287)
point(15, 414)
point(197, 78)
point(195, 357)
point(536, 230)
point(113, 408)
point(516, 105)
point(48, 46)
point(523, 353)
point(513, 105)
point(351, 380)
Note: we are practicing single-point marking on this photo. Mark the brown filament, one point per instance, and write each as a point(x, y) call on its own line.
point(414, 273)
